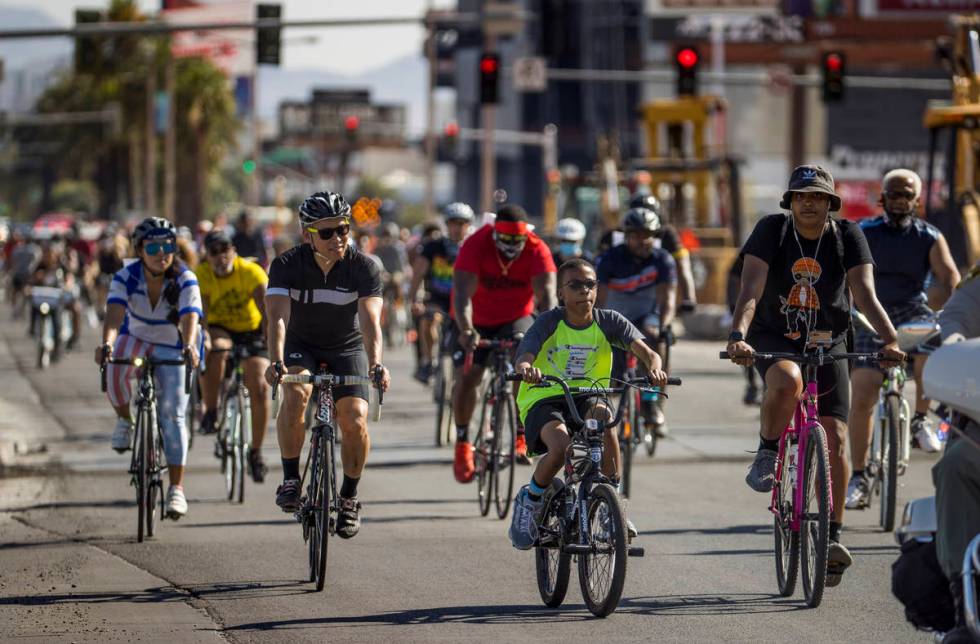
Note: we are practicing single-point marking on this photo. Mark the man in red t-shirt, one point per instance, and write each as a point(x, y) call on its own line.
point(500, 272)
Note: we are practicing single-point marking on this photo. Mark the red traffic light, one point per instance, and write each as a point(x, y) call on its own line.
point(489, 64)
point(687, 57)
point(351, 123)
point(452, 129)
point(833, 62)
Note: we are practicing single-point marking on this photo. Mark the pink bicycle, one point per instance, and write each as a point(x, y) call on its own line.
point(802, 499)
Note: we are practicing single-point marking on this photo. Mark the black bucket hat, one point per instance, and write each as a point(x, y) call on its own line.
point(811, 178)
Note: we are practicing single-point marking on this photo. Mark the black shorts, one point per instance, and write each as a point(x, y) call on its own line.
point(544, 411)
point(347, 361)
point(438, 303)
point(833, 379)
point(502, 332)
point(252, 341)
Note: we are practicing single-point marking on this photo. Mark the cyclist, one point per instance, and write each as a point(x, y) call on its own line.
point(795, 276)
point(501, 271)
point(573, 341)
point(233, 292)
point(670, 241)
point(638, 279)
point(153, 309)
point(249, 239)
point(57, 268)
point(570, 233)
point(905, 249)
point(434, 266)
point(323, 306)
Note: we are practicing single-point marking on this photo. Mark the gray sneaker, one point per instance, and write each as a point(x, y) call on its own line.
point(523, 526)
point(762, 474)
point(838, 560)
point(858, 493)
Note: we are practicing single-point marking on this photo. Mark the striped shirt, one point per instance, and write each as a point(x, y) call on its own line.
point(144, 321)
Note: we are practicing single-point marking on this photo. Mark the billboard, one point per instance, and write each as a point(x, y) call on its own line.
point(231, 50)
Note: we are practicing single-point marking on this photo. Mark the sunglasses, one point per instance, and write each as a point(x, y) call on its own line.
point(155, 248)
point(900, 195)
point(510, 239)
point(327, 233)
point(578, 285)
point(219, 249)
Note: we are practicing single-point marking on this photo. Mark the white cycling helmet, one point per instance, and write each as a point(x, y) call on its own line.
point(570, 229)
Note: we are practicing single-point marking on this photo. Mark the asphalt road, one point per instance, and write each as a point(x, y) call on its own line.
point(426, 566)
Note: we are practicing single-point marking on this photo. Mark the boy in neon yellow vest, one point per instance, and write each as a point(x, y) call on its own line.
point(573, 341)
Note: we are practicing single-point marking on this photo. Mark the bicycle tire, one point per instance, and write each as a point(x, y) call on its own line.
point(815, 526)
point(504, 443)
point(309, 507)
point(241, 446)
point(627, 427)
point(139, 478)
point(323, 513)
point(229, 440)
point(43, 355)
point(552, 566)
point(481, 454)
point(604, 602)
point(787, 541)
point(889, 463)
point(193, 409)
point(152, 477)
point(442, 405)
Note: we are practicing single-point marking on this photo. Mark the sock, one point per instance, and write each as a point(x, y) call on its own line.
point(835, 531)
point(348, 489)
point(765, 443)
point(290, 468)
point(535, 490)
point(463, 433)
point(857, 473)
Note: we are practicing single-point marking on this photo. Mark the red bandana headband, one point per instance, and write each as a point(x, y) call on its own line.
point(511, 227)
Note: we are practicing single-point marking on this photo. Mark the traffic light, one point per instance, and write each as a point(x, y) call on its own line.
point(88, 49)
point(268, 41)
point(687, 59)
point(351, 125)
point(489, 78)
point(833, 67)
point(446, 149)
point(248, 166)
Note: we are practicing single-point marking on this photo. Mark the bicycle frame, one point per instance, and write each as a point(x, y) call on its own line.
point(893, 385)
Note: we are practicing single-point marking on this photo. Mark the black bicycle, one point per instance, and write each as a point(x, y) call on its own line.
point(234, 423)
point(583, 517)
point(319, 507)
point(442, 386)
point(147, 461)
point(496, 435)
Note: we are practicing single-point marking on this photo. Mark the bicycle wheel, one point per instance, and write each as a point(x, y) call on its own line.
point(443, 408)
point(241, 445)
point(642, 420)
point(485, 470)
point(153, 492)
point(889, 463)
point(322, 512)
point(787, 540)
point(45, 328)
point(602, 573)
point(815, 516)
point(311, 524)
point(504, 437)
point(553, 567)
point(229, 438)
point(193, 409)
point(626, 436)
point(139, 476)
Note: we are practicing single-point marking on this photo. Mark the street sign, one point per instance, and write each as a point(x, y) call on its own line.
point(530, 74)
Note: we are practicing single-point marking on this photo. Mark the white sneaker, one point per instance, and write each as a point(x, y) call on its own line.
point(176, 503)
point(122, 435)
point(925, 435)
point(857, 493)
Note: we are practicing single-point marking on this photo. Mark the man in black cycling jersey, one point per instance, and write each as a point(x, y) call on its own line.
point(671, 242)
point(323, 306)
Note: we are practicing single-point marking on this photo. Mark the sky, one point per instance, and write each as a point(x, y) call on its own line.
point(345, 50)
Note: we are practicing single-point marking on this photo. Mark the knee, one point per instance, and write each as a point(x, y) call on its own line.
point(353, 420)
point(784, 382)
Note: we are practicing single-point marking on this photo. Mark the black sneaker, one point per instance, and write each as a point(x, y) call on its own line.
point(256, 466)
point(348, 517)
point(287, 495)
point(207, 423)
point(423, 374)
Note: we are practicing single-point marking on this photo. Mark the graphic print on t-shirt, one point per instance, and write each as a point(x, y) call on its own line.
point(803, 304)
point(576, 363)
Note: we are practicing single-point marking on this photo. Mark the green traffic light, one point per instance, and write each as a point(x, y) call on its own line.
point(248, 166)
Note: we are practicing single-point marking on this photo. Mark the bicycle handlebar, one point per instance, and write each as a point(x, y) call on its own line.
point(809, 358)
point(492, 343)
point(332, 379)
point(153, 362)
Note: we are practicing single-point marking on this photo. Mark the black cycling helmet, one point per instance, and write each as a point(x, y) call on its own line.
point(323, 205)
point(646, 201)
point(457, 211)
point(216, 236)
point(153, 228)
point(637, 219)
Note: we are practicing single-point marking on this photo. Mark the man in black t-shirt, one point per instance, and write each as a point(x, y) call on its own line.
point(795, 277)
point(323, 306)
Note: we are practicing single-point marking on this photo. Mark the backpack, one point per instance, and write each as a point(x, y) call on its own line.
point(919, 583)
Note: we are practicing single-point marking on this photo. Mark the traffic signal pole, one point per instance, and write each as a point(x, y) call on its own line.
point(430, 121)
point(488, 157)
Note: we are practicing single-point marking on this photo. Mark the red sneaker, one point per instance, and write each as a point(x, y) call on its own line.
point(463, 467)
point(520, 450)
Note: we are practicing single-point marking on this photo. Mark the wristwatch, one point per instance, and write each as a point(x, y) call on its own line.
point(735, 336)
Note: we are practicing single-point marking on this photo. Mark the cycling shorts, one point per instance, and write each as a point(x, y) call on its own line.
point(502, 332)
point(252, 341)
point(348, 361)
point(552, 409)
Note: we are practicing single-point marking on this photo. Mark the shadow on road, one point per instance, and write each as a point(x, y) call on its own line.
point(689, 605)
point(64, 505)
point(150, 595)
point(224, 524)
point(735, 529)
point(225, 591)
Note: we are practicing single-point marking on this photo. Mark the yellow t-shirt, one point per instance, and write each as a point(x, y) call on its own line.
point(230, 301)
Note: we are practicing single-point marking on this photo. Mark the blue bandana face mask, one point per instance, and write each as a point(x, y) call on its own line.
point(569, 249)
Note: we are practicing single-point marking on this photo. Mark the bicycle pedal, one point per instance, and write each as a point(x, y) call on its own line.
point(635, 551)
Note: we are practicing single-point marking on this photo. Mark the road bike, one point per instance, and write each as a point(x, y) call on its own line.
point(147, 461)
point(493, 447)
point(48, 323)
point(583, 517)
point(234, 423)
point(802, 498)
point(320, 505)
